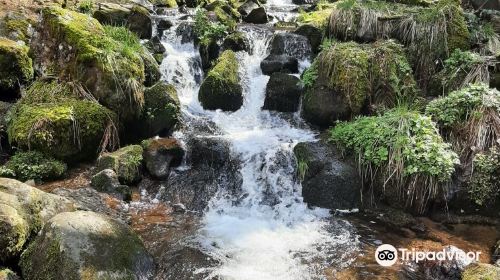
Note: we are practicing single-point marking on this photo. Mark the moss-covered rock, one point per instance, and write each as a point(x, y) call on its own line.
point(481, 271)
point(15, 68)
point(86, 245)
point(51, 120)
point(105, 60)
point(107, 181)
point(23, 211)
point(347, 76)
point(17, 26)
point(126, 162)
point(164, 3)
point(221, 88)
point(33, 165)
point(134, 17)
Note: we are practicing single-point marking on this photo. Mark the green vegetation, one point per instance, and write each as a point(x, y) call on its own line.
point(460, 69)
point(309, 76)
point(318, 18)
point(469, 116)
point(208, 31)
point(86, 6)
point(404, 148)
point(17, 26)
point(126, 162)
point(32, 165)
point(484, 186)
point(165, 3)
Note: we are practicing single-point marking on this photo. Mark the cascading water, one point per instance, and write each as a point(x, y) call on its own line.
point(267, 231)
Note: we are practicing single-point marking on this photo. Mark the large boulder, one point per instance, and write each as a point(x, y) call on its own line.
point(279, 63)
point(135, 17)
point(283, 93)
point(51, 120)
point(126, 162)
point(327, 180)
point(23, 211)
point(209, 52)
point(221, 88)
point(86, 245)
point(15, 68)
point(106, 61)
point(162, 154)
point(313, 34)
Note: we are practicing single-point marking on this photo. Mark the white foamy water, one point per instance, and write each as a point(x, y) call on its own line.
point(267, 232)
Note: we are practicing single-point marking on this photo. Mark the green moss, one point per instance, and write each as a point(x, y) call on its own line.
point(221, 88)
point(86, 6)
point(17, 26)
point(481, 271)
point(317, 18)
point(15, 64)
point(402, 147)
point(224, 18)
point(35, 165)
point(208, 31)
point(126, 162)
point(68, 129)
point(165, 3)
point(309, 76)
point(161, 108)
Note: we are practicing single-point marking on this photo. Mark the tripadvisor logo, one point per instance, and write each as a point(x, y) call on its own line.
point(387, 255)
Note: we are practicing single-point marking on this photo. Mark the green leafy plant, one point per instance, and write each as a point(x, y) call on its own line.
point(86, 6)
point(309, 76)
point(33, 165)
point(485, 179)
point(404, 148)
point(206, 30)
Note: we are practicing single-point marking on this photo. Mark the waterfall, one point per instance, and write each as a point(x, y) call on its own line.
point(266, 231)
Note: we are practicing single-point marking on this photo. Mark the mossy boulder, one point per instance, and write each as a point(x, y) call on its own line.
point(15, 68)
point(51, 120)
point(481, 271)
point(162, 154)
point(23, 211)
point(236, 42)
point(348, 77)
point(134, 17)
point(160, 113)
point(164, 3)
point(33, 165)
point(17, 26)
point(283, 92)
point(106, 61)
point(126, 162)
point(86, 245)
point(107, 181)
point(221, 88)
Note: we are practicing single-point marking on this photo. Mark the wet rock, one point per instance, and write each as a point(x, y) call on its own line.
point(236, 42)
point(304, 2)
point(135, 17)
point(291, 44)
point(86, 245)
point(179, 208)
point(209, 52)
point(485, 4)
point(126, 162)
point(107, 181)
point(279, 63)
point(327, 180)
point(152, 73)
point(186, 31)
point(185, 264)
point(283, 93)
point(396, 220)
point(155, 46)
point(221, 88)
point(15, 68)
point(444, 270)
point(23, 211)
point(163, 24)
point(252, 12)
point(210, 166)
point(313, 34)
point(162, 154)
